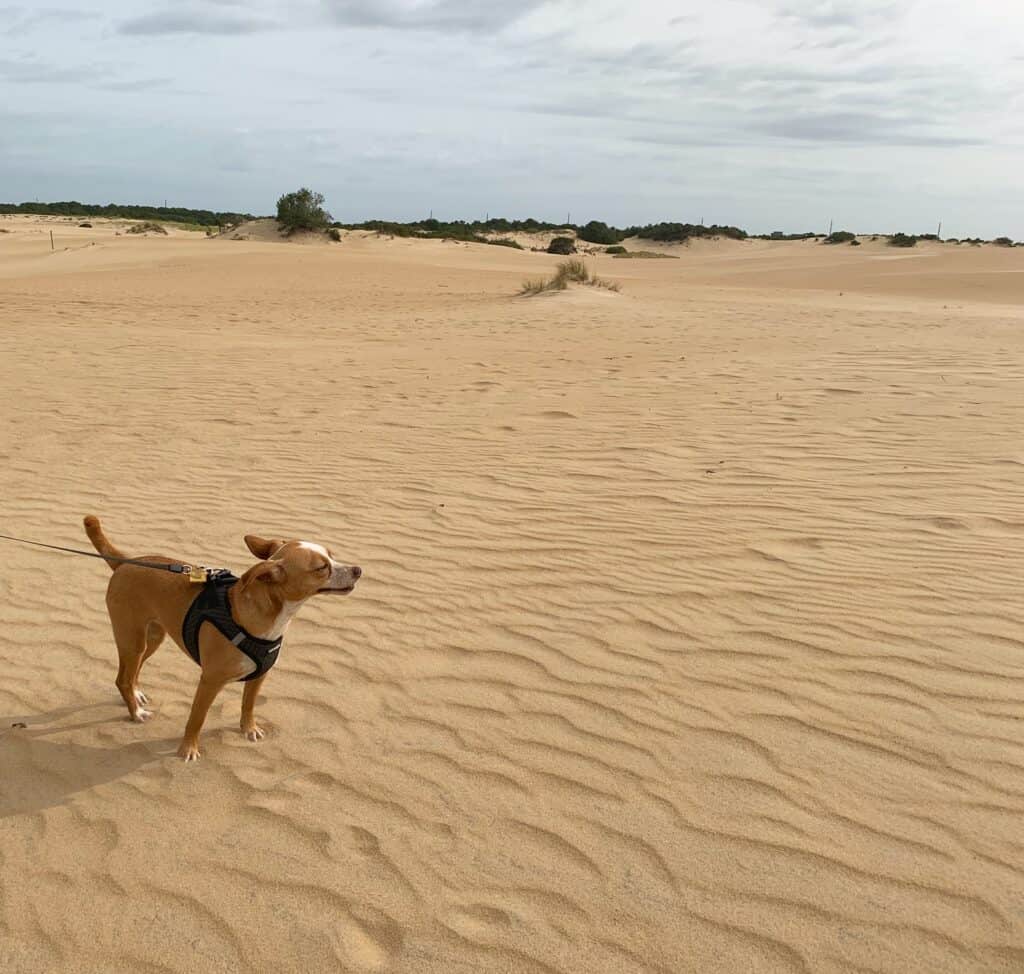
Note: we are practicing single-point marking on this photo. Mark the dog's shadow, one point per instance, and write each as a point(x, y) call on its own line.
point(40, 769)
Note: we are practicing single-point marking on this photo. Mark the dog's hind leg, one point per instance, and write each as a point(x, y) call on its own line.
point(131, 650)
point(154, 637)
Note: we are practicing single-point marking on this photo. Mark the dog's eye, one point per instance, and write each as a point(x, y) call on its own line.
point(324, 568)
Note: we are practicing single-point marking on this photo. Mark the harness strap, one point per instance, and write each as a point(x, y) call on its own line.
point(212, 605)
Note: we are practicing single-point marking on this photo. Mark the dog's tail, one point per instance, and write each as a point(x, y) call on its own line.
point(100, 542)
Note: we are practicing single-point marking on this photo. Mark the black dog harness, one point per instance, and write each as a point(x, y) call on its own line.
point(212, 605)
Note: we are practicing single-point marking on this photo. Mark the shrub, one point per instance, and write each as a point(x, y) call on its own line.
point(335, 234)
point(87, 226)
point(502, 242)
point(854, 243)
point(681, 232)
point(1003, 242)
point(146, 227)
point(902, 240)
point(302, 210)
point(617, 249)
point(597, 232)
point(840, 236)
point(562, 245)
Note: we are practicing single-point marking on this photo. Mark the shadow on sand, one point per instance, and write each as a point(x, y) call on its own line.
point(37, 771)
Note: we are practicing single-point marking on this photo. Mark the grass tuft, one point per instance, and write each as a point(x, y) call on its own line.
point(572, 271)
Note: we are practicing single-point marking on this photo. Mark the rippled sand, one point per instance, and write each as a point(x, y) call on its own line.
point(691, 636)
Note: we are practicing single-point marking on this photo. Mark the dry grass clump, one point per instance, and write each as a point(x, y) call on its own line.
point(572, 271)
point(644, 255)
point(146, 227)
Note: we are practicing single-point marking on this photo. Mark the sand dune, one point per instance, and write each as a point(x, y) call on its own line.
point(689, 638)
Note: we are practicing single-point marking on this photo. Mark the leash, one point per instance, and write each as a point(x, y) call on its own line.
point(196, 573)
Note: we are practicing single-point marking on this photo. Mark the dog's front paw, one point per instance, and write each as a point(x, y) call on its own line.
point(141, 716)
point(254, 733)
point(141, 698)
point(188, 751)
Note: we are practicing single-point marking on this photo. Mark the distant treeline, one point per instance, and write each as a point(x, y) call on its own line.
point(595, 231)
point(176, 214)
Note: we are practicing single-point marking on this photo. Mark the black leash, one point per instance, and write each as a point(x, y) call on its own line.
point(196, 573)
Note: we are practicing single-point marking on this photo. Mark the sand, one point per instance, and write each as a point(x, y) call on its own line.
point(691, 636)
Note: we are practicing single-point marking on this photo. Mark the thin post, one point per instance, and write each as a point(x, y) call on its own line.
point(51, 241)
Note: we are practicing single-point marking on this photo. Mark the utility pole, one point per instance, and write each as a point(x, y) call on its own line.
point(938, 232)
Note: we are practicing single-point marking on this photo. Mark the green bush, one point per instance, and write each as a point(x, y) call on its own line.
point(779, 235)
point(302, 210)
point(502, 242)
point(1003, 242)
point(118, 211)
point(597, 232)
point(562, 245)
point(617, 249)
point(854, 243)
point(902, 240)
point(840, 236)
point(681, 232)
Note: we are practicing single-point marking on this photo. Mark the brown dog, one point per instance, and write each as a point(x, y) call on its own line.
point(146, 604)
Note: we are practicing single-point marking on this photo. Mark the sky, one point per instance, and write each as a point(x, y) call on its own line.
point(879, 115)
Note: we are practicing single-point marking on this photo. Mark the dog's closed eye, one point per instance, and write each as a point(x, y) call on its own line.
point(322, 568)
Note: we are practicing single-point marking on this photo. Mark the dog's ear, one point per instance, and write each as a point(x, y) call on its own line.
point(265, 572)
point(261, 547)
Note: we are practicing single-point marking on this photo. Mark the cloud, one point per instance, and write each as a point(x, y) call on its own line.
point(195, 21)
point(140, 84)
point(856, 128)
point(454, 16)
point(841, 14)
point(31, 71)
point(22, 20)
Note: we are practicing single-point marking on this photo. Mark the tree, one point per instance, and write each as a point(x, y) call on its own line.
point(302, 210)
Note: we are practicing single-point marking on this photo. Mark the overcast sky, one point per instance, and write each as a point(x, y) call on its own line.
point(770, 114)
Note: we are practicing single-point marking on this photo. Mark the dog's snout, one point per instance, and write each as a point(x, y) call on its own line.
point(356, 571)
